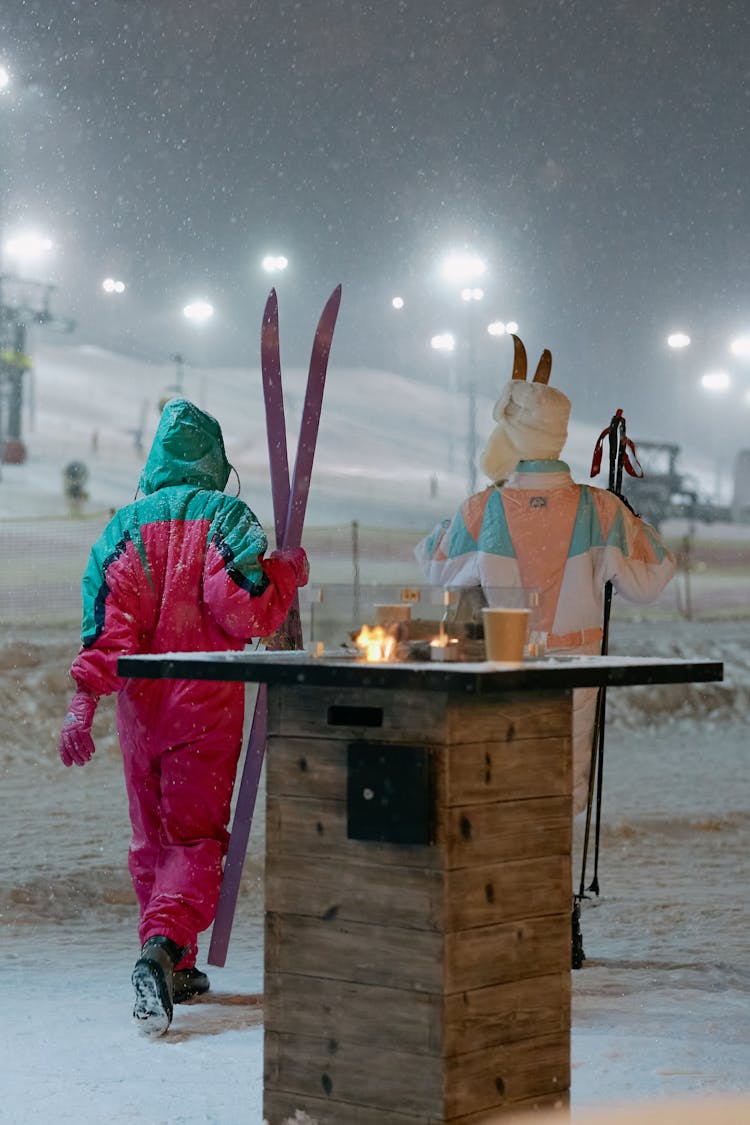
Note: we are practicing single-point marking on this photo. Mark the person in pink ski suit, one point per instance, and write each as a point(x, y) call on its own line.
point(535, 528)
point(183, 568)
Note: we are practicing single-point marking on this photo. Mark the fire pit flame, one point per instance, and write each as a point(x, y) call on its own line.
point(375, 644)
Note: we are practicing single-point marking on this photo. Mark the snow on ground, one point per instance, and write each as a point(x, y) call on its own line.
point(661, 1009)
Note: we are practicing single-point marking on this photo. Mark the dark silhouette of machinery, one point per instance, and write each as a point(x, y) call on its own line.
point(664, 492)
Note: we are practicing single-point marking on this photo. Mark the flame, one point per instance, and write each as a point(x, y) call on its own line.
point(376, 644)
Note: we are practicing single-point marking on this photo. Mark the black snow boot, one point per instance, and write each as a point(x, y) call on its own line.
point(187, 983)
point(153, 983)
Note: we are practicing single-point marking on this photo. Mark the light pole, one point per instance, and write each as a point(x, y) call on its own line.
point(470, 296)
point(27, 248)
point(397, 334)
point(462, 270)
point(445, 343)
point(679, 342)
point(5, 86)
point(717, 383)
point(197, 312)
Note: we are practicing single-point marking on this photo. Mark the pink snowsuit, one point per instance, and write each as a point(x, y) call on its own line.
point(181, 569)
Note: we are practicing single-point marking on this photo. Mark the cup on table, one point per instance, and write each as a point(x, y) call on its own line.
point(505, 632)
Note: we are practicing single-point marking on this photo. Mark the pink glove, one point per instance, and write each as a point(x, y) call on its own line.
point(297, 558)
point(76, 743)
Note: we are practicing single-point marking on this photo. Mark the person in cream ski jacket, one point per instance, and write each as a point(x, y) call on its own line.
point(183, 568)
point(535, 527)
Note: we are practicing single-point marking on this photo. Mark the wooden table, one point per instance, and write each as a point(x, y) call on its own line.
point(418, 879)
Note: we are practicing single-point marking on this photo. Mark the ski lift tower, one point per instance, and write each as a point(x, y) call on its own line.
point(22, 304)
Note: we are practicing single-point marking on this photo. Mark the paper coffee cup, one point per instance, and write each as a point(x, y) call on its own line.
point(505, 633)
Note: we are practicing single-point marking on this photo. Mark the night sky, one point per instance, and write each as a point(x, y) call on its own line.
point(595, 154)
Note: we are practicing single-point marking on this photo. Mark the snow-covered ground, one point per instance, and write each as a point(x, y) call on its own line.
point(661, 1009)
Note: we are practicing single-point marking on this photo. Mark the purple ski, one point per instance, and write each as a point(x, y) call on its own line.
point(310, 420)
point(273, 396)
point(290, 506)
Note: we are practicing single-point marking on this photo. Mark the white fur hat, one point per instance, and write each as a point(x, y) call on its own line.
point(532, 425)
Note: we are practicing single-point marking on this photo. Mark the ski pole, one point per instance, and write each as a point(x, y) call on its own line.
point(617, 440)
point(617, 434)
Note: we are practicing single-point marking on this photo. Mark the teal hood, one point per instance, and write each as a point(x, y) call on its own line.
point(188, 448)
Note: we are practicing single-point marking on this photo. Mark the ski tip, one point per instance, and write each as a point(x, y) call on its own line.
point(327, 322)
point(335, 298)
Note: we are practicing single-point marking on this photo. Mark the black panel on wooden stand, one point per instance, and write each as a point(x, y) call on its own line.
point(389, 793)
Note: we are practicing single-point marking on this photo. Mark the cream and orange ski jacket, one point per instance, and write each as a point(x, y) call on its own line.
point(541, 530)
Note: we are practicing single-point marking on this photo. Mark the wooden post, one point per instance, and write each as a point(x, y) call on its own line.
point(417, 982)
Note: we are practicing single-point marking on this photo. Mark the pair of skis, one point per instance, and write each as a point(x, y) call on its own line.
point(622, 455)
point(289, 507)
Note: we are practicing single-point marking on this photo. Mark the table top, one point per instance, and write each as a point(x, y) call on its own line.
point(552, 673)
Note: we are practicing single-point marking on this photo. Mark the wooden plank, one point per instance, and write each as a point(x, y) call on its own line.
point(399, 1082)
point(508, 718)
point(486, 772)
point(409, 897)
point(493, 954)
point(417, 1022)
point(377, 955)
point(299, 767)
point(554, 1106)
point(389, 1018)
point(476, 772)
point(507, 830)
point(317, 769)
point(413, 897)
point(429, 717)
point(317, 829)
point(483, 1080)
point(503, 892)
point(414, 959)
point(280, 1107)
point(474, 834)
point(506, 1013)
point(306, 713)
point(385, 1079)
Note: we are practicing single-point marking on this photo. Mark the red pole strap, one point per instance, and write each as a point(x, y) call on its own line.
point(630, 461)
